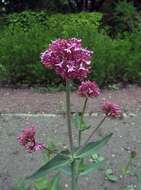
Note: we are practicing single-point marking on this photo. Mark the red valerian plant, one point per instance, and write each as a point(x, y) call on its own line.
point(71, 61)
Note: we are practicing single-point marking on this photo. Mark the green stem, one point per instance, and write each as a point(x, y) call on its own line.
point(79, 138)
point(95, 129)
point(69, 114)
point(82, 117)
point(93, 132)
point(84, 108)
point(74, 177)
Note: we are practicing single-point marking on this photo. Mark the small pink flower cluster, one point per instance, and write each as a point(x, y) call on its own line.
point(67, 58)
point(111, 109)
point(89, 89)
point(27, 140)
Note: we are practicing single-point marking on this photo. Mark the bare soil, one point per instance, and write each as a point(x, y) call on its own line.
point(16, 164)
point(28, 101)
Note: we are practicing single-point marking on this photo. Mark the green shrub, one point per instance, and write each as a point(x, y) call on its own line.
point(22, 41)
point(20, 55)
point(114, 60)
point(125, 18)
point(27, 19)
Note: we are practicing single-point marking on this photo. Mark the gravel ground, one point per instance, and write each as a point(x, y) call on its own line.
point(15, 163)
point(30, 100)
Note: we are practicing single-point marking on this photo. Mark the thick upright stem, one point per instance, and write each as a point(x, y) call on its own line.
point(74, 178)
point(79, 137)
point(69, 114)
point(82, 117)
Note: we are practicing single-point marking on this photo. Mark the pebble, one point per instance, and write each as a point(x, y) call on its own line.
point(65, 146)
point(132, 114)
point(86, 114)
point(129, 148)
point(55, 131)
point(94, 114)
point(116, 129)
point(125, 115)
point(66, 186)
point(122, 149)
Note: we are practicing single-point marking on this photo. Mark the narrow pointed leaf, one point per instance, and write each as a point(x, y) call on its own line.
point(55, 183)
point(92, 147)
point(77, 121)
point(66, 170)
point(57, 162)
point(90, 168)
point(80, 124)
point(41, 184)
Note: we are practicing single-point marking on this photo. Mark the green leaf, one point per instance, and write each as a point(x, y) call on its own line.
point(92, 147)
point(80, 124)
point(41, 184)
point(139, 181)
point(90, 168)
point(84, 127)
point(66, 170)
point(109, 172)
point(126, 170)
point(54, 185)
point(96, 157)
point(56, 162)
point(82, 168)
point(110, 176)
point(21, 185)
point(129, 187)
point(77, 121)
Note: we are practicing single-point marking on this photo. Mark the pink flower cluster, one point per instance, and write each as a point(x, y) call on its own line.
point(111, 109)
point(67, 58)
point(89, 89)
point(27, 140)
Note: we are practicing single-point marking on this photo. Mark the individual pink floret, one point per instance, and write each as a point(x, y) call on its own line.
point(111, 109)
point(67, 58)
point(27, 140)
point(89, 89)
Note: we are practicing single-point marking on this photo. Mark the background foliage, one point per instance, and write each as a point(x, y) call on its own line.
point(115, 43)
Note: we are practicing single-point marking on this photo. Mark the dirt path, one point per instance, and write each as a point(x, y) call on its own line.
point(25, 101)
point(15, 163)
